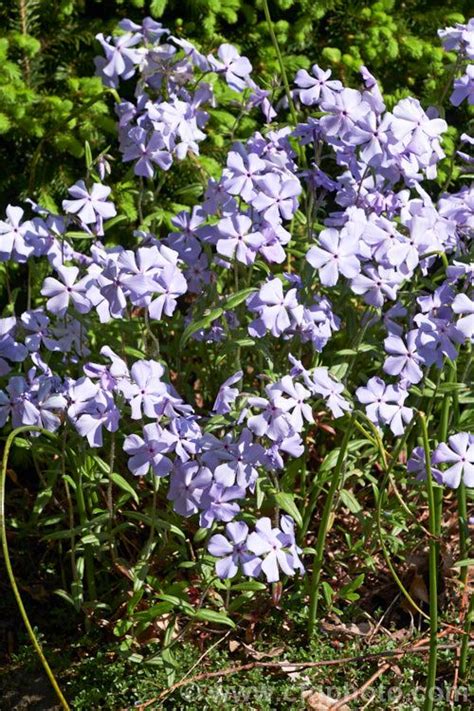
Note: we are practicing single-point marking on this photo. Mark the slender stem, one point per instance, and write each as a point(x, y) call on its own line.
point(323, 527)
point(276, 46)
point(156, 486)
point(315, 490)
point(378, 514)
point(433, 570)
point(462, 508)
point(365, 319)
point(8, 565)
point(110, 498)
point(465, 641)
point(88, 551)
point(463, 550)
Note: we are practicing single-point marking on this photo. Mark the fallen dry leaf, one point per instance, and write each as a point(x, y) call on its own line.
point(275, 652)
point(341, 629)
point(418, 589)
point(317, 701)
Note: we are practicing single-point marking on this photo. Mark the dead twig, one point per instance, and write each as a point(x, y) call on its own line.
point(462, 615)
point(284, 665)
point(358, 692)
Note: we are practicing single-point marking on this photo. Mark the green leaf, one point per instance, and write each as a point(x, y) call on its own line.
point(65, 596)
point(117, 220)
point(135, 658)
point(79, 235)
point(249, 586)
point(350, 501)
point(124, 485)
point(177, 602)
point(200, 535)
point(157, 7)
point(121, 627)
point(219, 618)
point(363, 348)
point(153, 612)
point(287, 502)
point(134, 352)
point(237, 298)
point(202, 323)
point(244, 342)
point(332, 456)
point(88, 154)
point(328, 593)
point(348, 589)
point(463, 563)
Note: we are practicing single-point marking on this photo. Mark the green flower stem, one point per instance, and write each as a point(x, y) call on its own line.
point(280, 62)
point(463, 550)
point(462, 506)
point(110, 499)
point(315, 490)
point(462, 518)
point(433, 570)
point(378, 516)
point(463, 663)
point(323, 528)
point(88, 551)
point(8, 565)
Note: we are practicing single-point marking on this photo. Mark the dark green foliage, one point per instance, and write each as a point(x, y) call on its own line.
point(50, 103)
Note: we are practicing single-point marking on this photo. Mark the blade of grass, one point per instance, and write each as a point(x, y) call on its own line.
point(8, 565)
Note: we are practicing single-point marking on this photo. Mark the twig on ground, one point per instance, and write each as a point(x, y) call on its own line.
point(462, 615)
point(367, 704)
point(379, 623)
point(294, 665)
point(358, 692)
point(205, 654)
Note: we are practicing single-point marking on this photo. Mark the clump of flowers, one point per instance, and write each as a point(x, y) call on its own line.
point(311, 242)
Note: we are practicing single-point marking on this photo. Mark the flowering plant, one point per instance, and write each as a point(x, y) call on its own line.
point(320, 284)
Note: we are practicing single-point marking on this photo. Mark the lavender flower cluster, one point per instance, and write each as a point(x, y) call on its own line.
point(353, 177)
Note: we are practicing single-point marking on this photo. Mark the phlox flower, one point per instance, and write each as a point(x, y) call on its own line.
point(14, 243)
point(227, 394)
point(335, 253)
point(10, 350)
point(276, 197)
point(233, 553)
point(464, 87)
point(188, 482)
point(403, 358)
point(277, 311)
point(147, 150)
point(97, 413)
point(60, 293)
point(120, 57)
point(384, 404)
point(325, 385)
point(235, 68)
point(316, 87)
point(293, 400)
point(463, 305)
point(149, 451)
point(90, 207)
point(238, 238)
point(243, 171)
point(459, 453)
point(277, 549)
